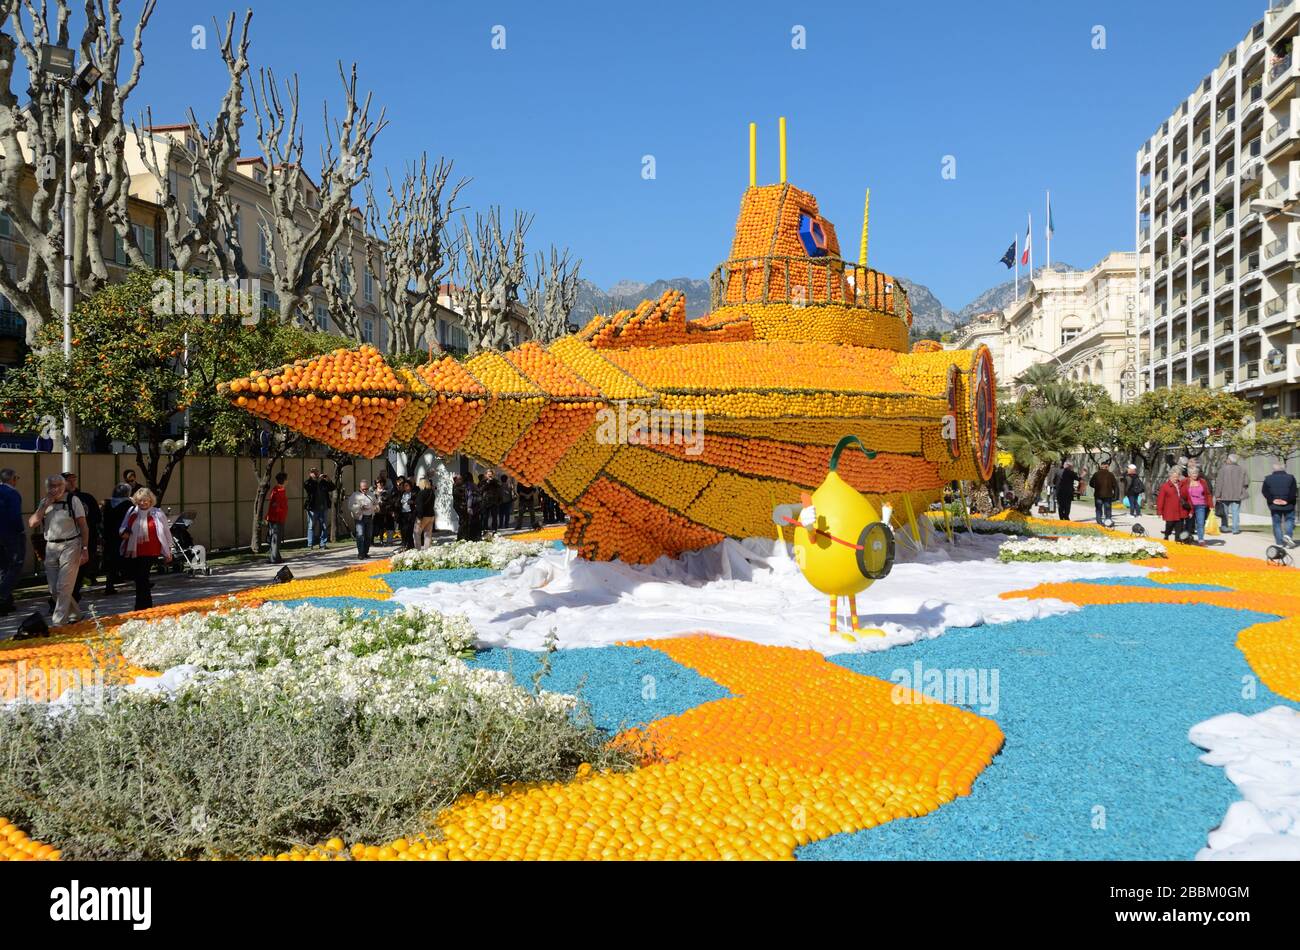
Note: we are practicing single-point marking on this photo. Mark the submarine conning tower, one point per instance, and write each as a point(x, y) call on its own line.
point(786, 274)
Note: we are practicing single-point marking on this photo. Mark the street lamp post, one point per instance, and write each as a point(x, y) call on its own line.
point(58, 62)
point(1045, 353)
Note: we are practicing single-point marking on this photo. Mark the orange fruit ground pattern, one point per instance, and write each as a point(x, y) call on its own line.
point(800, 750)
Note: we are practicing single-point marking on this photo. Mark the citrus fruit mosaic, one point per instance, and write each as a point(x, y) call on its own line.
point(781, 752)
point(659, 434)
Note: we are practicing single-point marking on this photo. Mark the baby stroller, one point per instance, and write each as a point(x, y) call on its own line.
point(186, 555)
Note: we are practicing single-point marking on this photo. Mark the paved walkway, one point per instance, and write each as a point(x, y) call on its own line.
point(170, 588)
point(1253, 541)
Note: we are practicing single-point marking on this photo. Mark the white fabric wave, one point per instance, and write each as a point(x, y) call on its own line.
point(1261, 756)
point(750, 590)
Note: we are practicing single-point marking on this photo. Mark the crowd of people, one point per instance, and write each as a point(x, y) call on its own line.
point(404, 514)
point(75, 537)
point(1183, 501)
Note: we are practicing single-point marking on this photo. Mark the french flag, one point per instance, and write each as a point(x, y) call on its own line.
point(1029, 237)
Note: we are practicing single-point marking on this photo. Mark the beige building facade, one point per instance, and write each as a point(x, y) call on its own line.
point(1083, 322)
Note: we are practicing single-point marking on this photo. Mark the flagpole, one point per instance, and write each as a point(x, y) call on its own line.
point(1016, 238)
point(1030, 239)
point(1049, 228)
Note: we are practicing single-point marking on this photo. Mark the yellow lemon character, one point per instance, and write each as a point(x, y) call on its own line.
point(843, 542)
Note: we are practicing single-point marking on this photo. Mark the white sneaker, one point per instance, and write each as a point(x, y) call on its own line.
point(1286, 538)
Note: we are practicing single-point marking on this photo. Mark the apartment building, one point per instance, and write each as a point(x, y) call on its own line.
point(1082, 321)
point(246, 180)
point(1216, 225)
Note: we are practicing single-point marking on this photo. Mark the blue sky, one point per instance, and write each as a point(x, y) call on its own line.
point(558, 122)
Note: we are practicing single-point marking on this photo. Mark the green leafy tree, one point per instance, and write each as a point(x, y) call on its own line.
point(1278, 438)
point(1040, 426)
point(1182, 419)
point(137, 367)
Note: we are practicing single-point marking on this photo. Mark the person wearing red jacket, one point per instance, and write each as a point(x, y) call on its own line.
point(1173, 505)
point(146, 536)
point(277, 513)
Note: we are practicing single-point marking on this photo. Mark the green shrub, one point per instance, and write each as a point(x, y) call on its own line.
point(216, 775)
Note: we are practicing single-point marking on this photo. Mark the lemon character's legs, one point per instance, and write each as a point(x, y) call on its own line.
point(834, 612)
point(853, 611)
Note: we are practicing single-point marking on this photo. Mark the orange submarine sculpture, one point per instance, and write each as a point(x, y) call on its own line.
point(657, 434)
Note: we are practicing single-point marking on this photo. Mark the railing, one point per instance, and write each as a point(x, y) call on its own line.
point(1201, 336)
point(1274, 307)
point(1249, 318)
point(1274, 248)
point(1223, 222)
point(806, 281)
point(1250, 263)
point(1254, 148)
point(1251, 369)
point(1202, 236)
point(1179, 300)
point(1224, 378)
point(1163, 309)
point(1225, 116)
point(1278, 188)
point(1226, 276)
point(1255, 92)
point(1277, 130)
point(1203, 140)
point(1181, 253)
point(1280, 67)
point(1200, 289)
point(1222, 329)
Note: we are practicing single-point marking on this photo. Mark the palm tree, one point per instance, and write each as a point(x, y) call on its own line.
point(1042, 430)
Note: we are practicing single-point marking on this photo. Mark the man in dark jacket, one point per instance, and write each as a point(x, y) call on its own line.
point(13, 538)
point(1134, 489)
point(86, 575)
point(1105, 489)
point(1279, 491)
point(1066, 485)
point(317, 496)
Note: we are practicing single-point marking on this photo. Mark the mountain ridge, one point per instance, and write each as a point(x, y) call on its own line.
point(928, 311)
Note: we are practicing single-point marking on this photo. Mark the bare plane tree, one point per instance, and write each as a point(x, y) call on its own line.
point(304, 237)
point(209, 228)
point(551, 294)
point(32, 150)
point(411, 252)
point(494, 266)
point(337, 279)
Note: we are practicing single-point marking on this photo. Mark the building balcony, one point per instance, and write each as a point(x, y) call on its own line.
point(1224, 378)
point(1280, 138)
point(1281, 71)
point(1281, 14)
point(1248, 318)
point(1249, 370)
point(1200, 143)
point(1224, 222)
point(1273, 309)
point(1223, 122)
point(1200, 290)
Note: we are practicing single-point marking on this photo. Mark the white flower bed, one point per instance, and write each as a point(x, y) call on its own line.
point(1079, 548)
point(406, 663)
point(494, 554)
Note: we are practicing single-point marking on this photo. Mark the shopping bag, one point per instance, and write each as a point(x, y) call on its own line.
point(1212, 523)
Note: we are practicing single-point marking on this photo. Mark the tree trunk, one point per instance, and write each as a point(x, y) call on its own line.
point(340, 524)
point(1032, 488)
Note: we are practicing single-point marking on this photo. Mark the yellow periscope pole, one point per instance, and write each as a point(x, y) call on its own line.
point(753, 155)
point(781, 126)
point(866, 215)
